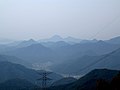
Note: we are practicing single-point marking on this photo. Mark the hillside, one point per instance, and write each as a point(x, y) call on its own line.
point(88, 82)
point(64, 81)
point(87, 63)
point(12, 71)
point(33, 53)
point(14, 60)
point(15, 84)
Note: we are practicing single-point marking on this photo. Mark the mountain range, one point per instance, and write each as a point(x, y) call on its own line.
point(57, 38)
point(59, 54)
point(87, 63)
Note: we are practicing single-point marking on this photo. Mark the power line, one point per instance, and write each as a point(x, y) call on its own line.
point(105, 27)
point(99, 60)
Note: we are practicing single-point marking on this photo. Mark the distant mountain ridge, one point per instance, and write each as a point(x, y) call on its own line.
point(54, 45)
point(5, 40)
point(50, 54)
point(88, 63)
point(58, 52)
point(26, 43)
point(33, 52)
point(57, 38)
point(115, 40)
point(14, 59)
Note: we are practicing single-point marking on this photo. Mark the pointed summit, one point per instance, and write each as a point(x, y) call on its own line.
point(27, 43)
point(31, 40)
point(56, 38)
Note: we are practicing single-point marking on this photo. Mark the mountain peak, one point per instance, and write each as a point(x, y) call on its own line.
point(26, 43)
point(31, 40)
point(57, 37)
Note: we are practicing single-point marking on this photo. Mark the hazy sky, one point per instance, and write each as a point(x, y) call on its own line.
point(24, 19)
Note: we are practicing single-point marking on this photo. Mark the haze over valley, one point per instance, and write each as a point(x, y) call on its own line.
point(59, 44)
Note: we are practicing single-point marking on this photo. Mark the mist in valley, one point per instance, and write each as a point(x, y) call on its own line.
point(59, 45)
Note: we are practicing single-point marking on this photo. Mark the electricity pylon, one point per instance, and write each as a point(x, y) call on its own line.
point(44, 79)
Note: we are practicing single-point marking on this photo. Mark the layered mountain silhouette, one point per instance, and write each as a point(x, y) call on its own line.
point(33, 53)
point(14, 59)
point(61, 56)
point(60, 51)
point(88, 63)
point(26, 43)
point(55, 54)
point(16, 44)
point(55, 45)
point(57, 38)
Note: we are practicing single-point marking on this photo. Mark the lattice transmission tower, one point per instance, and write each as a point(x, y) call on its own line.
point(44, 78)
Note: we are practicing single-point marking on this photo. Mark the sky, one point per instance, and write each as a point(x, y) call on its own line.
point(38, 19)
